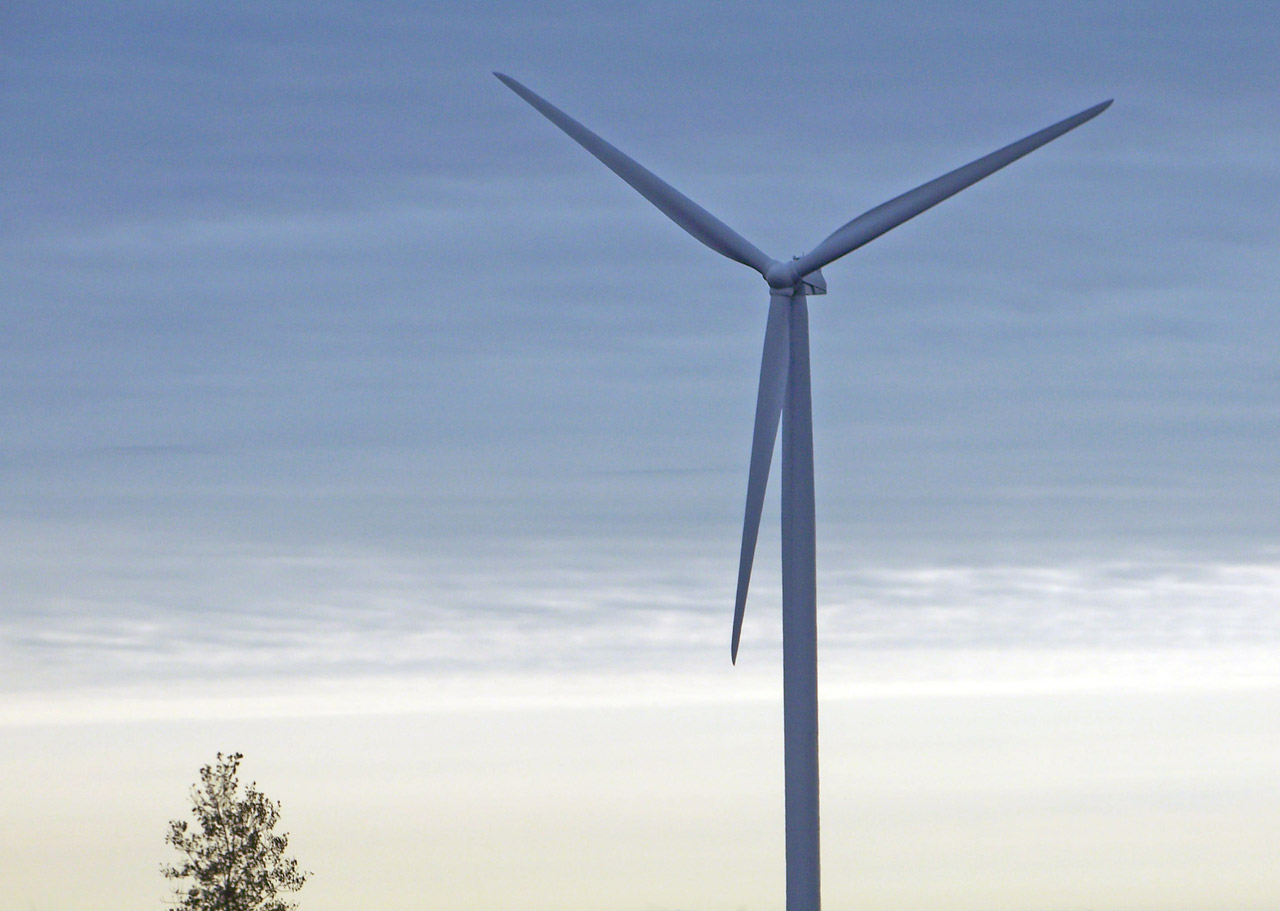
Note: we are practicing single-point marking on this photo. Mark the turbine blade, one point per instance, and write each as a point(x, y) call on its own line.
point(886, 216)
point(773, 385)
point(674, 204)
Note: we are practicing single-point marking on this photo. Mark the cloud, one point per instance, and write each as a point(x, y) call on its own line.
point(146, 610)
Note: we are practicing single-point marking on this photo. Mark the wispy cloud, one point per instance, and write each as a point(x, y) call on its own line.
point(139, 612)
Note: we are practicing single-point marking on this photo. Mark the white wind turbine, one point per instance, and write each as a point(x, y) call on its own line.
point(784, 393)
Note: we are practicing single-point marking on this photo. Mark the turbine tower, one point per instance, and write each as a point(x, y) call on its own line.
point(784, 393)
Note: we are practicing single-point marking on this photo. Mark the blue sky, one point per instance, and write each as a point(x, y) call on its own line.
point(326, 362)
point(293, 292)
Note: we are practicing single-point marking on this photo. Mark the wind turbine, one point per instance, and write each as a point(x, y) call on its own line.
point(784, 393)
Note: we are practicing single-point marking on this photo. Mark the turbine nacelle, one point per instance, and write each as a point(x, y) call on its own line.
point(783, 278)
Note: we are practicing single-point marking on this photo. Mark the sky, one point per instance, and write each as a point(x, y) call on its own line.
point(354, 418)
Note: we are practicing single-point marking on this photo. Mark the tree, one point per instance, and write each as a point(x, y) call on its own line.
point(233, 857)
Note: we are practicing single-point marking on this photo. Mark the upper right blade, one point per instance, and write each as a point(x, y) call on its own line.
point(773, 387)
point(886, 216)
point(675, 205)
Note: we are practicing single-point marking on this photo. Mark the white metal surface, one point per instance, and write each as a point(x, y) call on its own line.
point(784, 390)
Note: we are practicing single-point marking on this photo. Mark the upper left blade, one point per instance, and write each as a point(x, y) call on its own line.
point(674, 204)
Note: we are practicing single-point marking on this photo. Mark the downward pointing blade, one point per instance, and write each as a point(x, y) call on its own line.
point(886, 216)
point(773, 385)
point(674, 204)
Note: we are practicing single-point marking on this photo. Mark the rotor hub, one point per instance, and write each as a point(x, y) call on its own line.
point(781, 276)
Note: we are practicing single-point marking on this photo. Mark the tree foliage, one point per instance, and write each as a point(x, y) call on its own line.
point(233, 859)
